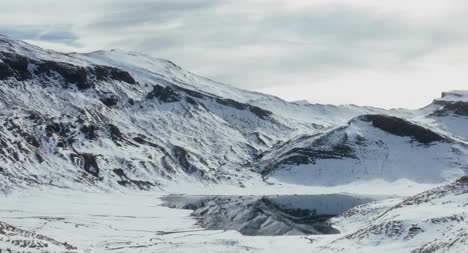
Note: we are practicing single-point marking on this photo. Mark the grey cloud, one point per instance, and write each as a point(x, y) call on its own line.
point(46, 33)
point(318, 40)
point(122, 15)
point(321, 37)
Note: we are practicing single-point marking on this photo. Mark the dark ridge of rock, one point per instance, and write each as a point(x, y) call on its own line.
point(106, 73)
point(52, 128)
point(336, 152)
point(118, 136)
point(110, 101)
point(126, 181)
point(142, 185)
point(139, 139)
point(19, 130)
point(89, 163)
point(318, 150)
point(18, 66)
point(404, 128)
point(451, 93)
point(32, 140)
point(191, 101)
point(192, 93)
point(462, 180)
point(4, 71)
point(70, 73)
point(262, 113)
point(39, 157)
point(60, 129)
point(90, 131)
point(182, 157)
point(164, 94)
point(120, 173)
point(458, 107)
point(115, 132)
point(14, 66)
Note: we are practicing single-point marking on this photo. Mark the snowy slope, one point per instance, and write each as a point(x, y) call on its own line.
point(432, 221)
point(13, 239)
point(368, 147)
point(102, 125)
point(112, 119)
point(449, 113)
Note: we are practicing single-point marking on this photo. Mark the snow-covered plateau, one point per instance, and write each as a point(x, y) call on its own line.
point(115, 151)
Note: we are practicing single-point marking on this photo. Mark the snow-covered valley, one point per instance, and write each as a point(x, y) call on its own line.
point(93, 145)
point(139, 222)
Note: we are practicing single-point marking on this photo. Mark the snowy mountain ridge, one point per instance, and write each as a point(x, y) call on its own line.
point(114, 119)
point(91, 144)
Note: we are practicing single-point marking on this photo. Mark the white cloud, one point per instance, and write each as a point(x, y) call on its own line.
point(370, 51)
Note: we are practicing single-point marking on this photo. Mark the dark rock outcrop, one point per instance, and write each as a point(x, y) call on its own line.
point(14, 66)
point(401, 127)
point(164, 94)
point(457, 107)
point(318, 150)
point(126, 181)
point(22, 68)
point(182, 156)
point(110, 101)
point(109, 73)
point(262, 113)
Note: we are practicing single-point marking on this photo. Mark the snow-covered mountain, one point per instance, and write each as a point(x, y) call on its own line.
point(118, 121)
point(115, 119)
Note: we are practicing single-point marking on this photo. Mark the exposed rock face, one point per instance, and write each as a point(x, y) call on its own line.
point(22, 68)
point(164, 94)
point(126, 181)
point(262, 113)
point(14, 66)
point(401, 127)
point(458, 108)
point(318, 150)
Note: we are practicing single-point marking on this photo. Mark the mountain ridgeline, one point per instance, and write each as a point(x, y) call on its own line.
point(112, 119)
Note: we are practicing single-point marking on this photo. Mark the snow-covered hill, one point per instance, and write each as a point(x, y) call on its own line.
point(112, 119)
point(368, 147)
point(414, 225)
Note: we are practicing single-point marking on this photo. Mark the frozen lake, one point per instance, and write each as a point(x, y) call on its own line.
point(267, 215)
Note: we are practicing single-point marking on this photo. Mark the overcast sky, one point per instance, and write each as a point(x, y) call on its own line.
point(386, 53)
